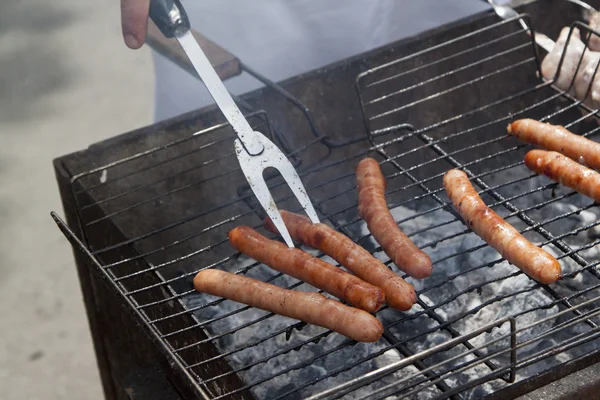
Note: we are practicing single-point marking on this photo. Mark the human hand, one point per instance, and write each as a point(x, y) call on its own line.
point(134, 22)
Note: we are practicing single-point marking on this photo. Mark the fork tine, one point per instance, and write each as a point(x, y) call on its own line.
point(288, 172)
point(261, 191)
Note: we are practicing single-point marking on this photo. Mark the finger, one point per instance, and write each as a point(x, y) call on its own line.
point(134, 22)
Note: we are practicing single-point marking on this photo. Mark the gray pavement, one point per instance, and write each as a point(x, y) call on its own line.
point(66, 81)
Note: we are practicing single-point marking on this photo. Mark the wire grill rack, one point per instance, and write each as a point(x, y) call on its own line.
point(479, 323)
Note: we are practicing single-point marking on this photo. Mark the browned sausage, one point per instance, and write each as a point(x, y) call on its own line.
point(310, 307)
point(398, 293)
point(303, 266)
point(557, 138)
point(565, 171)
point(496, 232)
point(372, 207)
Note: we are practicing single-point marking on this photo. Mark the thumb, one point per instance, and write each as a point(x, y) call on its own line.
point(134, 22)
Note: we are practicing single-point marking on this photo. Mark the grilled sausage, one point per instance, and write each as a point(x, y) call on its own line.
point(398, 293)
point(496, 232)
point(565, 171)
point(372, 207)
point(303, 266)
point(310, 307)
point(557, 138)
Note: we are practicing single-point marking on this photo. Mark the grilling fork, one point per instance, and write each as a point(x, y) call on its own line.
point(255, 152)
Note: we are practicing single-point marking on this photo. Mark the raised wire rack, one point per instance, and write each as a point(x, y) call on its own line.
point(479, 323)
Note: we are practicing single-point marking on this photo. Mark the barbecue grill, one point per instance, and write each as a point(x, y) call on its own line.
point(149, 209)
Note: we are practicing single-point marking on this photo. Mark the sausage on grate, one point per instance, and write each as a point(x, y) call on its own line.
point(310, 307)
point(399, 294)
point(565, 171)
point(557, 138)
point(499, 234)
point(303, 266)
point(372, 207)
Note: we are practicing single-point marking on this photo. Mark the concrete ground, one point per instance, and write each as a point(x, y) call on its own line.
point(66, 81)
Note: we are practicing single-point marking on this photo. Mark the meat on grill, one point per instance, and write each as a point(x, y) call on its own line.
point(565, 171)
point(310, 307)
point(500, 235)
point(559, 139)
point(399, 294)
point(372, 207)
point(594, 23)
point(574, 77)
point(303, 266)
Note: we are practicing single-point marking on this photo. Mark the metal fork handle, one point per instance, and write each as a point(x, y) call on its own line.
point(172, 20)
point(170, 17)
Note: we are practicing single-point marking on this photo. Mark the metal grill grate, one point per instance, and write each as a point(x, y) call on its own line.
point(173, 206)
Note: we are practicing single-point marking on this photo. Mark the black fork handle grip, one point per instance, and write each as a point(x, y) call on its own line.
point(169, 16)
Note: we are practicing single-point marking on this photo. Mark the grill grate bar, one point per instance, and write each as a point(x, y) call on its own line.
point(447, 58)
point(159, 266)
point(181, 221)
point(455, 369)
point(157, 181)
point(177, 242)
point(486, 107)
point(154, 198)
point(459, 134)
point(461, 86)
point(467, 366)
point(575, 341)
point(145, 153)
point(315, 339)
point(575, 320)
point(449, 73)
point(436, 47)
point(255, 116)
point(344, 344)
point(419, 364)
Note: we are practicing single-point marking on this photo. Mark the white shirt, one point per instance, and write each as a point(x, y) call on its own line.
point(284, 38)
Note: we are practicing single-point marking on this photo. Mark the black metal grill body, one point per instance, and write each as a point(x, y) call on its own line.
point(152, 207)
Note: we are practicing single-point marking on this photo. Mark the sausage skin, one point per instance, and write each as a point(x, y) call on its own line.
point(399, 294)
point(496, 232)
point(372, 208)
point(310, 307)
point(303, 266)
point(557, 138)
point(565, 171)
